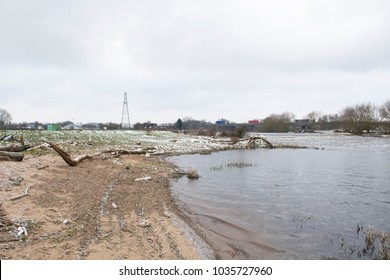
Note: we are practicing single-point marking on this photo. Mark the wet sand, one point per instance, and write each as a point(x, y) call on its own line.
point(227, 240)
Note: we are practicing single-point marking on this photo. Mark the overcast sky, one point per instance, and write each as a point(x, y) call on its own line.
point(205, 59)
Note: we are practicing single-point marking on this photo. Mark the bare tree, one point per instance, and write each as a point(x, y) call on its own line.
point(384, 110)
point(191, 124)
point(359, 118)
point(277, 122)
point(5, 118)
point(314, 116)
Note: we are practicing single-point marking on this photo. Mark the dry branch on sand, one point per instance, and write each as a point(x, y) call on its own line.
point(22, 195)
point(13, 152)
point(75, 161)
point(15, 148)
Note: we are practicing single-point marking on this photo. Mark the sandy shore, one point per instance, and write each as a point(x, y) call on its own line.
point(100, 209)
point(111, 207)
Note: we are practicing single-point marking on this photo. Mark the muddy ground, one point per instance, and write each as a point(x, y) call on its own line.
point(96, 210)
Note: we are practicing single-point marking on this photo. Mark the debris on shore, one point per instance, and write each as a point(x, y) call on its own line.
point(192, 174)
point(121, 143)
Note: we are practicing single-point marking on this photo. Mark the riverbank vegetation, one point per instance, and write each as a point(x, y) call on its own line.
point(377, 244)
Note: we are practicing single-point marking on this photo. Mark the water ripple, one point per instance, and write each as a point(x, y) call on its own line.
point(293, 198)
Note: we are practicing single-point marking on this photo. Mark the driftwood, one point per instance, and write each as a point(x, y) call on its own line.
point(42, 167)
point(267, 143)
point(13, 152)
point(65, 156)
point(11, 156)
point(22, 195)
point(15, 148)
point(252, 141)
point(75, 161)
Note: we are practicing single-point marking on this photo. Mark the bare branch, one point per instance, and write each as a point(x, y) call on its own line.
point(22, 195)
point(65, 156)
point(75, 161)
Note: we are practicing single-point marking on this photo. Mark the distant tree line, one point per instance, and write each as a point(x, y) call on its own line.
point(357, 119)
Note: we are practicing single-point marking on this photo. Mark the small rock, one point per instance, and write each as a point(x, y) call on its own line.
point(17, 180)
point(22, 230)
point(143, 179)
point(143, 223)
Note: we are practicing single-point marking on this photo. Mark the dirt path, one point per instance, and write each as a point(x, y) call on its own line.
point(97, 210)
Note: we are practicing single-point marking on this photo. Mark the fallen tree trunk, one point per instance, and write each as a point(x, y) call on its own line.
point(252, 141)
point(65, 156)
point(75, 161)
point(267, 143)
point(15, 148)
point(11, 156)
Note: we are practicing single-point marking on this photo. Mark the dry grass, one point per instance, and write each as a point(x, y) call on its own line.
point(192, 174)
point(377, 244)
point(240, 165)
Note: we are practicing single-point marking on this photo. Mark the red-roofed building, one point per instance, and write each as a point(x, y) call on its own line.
point(254, 121)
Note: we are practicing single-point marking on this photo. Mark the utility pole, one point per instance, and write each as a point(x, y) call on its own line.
point(125, 123)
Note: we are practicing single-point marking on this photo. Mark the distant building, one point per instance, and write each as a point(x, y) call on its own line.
point(146, 125)
point(31, 126)
point(254, 121)
point(91, 126)
point(301, 125)
point(221, 121)
point(53, 127)
point(71, 127)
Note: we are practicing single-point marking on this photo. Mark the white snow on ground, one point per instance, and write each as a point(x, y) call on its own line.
point(161, 142)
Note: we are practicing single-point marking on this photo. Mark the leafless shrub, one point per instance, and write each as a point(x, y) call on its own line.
point(192, 174)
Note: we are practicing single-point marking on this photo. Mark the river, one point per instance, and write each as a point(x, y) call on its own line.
point(329, 201)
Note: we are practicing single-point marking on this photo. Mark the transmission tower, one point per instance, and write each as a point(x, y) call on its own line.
point(125, 123)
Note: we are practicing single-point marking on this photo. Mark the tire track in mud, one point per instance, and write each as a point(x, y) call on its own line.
point(104, 227)
point(98, 210)
point(119, 232)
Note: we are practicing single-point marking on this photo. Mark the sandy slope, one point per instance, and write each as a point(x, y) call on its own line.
point(96, 210)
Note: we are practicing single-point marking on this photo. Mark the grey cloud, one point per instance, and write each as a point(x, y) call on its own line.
point(206, 58)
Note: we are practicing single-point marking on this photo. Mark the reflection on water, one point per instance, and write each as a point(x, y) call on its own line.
point(282, 204)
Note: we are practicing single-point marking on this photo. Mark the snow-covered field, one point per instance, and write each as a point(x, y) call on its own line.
point(161, 142)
